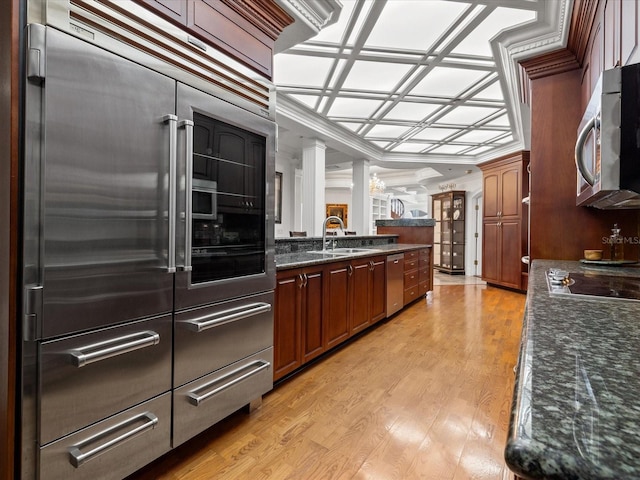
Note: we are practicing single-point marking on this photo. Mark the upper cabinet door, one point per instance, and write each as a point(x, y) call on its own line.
point(510, 179)
point(491, 202)
point(173, 9)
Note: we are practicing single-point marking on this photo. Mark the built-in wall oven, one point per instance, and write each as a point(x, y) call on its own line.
point(148, 245)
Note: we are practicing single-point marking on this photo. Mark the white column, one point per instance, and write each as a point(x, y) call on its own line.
point(360, 215)
point(298, 212)
point(313, 206)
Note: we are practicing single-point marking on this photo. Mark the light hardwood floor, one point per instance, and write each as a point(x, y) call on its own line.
point(424, 395)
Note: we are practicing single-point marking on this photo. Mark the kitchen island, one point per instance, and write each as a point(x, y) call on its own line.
point(576, 408)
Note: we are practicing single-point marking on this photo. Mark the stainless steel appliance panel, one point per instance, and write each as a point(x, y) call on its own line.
point(113, 448)
point(202, 403)
point(105, 194)
point(209, 338)
point(191, 290)
point(395, 283)
point(88, 377)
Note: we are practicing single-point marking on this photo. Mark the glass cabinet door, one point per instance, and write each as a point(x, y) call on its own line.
point(228, 234)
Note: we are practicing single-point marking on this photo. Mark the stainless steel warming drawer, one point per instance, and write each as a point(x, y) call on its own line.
point(88, 377)
point(209, 338)
point(138, 435)
point(203, 402)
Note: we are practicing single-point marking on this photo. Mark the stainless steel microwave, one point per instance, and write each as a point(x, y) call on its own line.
point(204, 201)
point(607, 149)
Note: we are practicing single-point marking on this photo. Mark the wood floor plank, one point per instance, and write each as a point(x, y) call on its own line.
point(424, 395)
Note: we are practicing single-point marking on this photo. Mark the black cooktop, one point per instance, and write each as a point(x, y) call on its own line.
point(610, 286)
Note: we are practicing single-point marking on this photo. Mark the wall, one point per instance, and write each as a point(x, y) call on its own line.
point(341, 195)
point(287, 167)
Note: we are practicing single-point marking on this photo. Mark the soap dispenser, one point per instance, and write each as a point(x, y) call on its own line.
point(616, 244)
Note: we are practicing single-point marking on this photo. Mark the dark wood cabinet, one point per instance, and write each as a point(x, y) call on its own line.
point(175, 10)
point(504, 224)
point(417, 274)
point(298, 318)
point(245, 30)
point(378, 289)
point(318, 308)
point(416, 235)
point(355, 297)
point(424, 271)
point(287, 325)
point(233, 160)
point(337, 304)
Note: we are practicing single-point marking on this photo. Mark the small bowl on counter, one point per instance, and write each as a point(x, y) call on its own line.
point(593, 254)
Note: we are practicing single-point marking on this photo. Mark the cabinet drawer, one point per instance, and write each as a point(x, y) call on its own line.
point(410, 279)
point(423, 274)
point(411, 264)
point(411, 255)
point(206, 401)
point(91, 376)
point(410, 294)
point(212, 337)
point(112, 448)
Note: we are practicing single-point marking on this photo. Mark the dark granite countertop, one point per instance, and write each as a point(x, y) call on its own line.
point(576, 406)
point(286, 261)
point(406, 222)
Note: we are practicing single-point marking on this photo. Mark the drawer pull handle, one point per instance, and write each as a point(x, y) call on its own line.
point(77, 458)
point(113, 347)
point(195, 399)
point(227, 316)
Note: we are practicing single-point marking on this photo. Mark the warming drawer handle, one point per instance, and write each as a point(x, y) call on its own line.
point(196, 399)
point(227, 316)
point(113, 347)
point(188, 186)
point(77, 458)
point(592, 124)
point(172, 120)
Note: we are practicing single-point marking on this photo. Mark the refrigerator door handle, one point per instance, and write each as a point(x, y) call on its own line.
point(188, 185)
point(227, 316)
point(172, 120)
point(77, 458)
point(195, 399)
point(113, 347)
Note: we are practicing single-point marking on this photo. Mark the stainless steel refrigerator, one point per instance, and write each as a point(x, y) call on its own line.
point(148, 258)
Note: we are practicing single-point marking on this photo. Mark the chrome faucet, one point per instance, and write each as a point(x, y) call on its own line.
point(324, 230)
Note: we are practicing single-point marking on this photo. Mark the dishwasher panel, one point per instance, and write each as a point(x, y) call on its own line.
point(395, 283)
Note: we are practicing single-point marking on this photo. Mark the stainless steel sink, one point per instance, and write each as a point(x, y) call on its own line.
point(328, 253)
point(356, 250)
point(341, 252)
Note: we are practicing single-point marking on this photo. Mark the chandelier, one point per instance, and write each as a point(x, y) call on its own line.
point(376, 185)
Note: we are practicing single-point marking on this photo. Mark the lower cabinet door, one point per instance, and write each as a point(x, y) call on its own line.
point(113, 448)
point(207, 400)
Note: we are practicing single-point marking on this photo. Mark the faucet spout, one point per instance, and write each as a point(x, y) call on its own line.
point(324, 228)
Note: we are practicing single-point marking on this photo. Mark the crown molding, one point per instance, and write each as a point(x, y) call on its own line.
point(583, 16)
point(310, 16)
point(295, 116)
point(267, 16)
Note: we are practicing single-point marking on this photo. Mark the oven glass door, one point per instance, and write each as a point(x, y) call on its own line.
point(231, 242)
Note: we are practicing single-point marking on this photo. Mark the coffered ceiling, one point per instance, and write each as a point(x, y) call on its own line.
point(427, 86)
